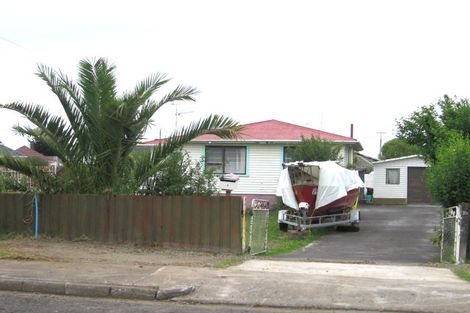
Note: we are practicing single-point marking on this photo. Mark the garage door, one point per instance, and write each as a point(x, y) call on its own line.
point(417, 191)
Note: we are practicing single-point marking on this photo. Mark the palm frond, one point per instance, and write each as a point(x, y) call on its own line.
point(180, 93)
point(66, 92)
point(147, 87)
point(53, 127)
point(63, 143)
point(98, 86)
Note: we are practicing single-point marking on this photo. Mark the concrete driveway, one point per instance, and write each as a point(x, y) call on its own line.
point(388, 234)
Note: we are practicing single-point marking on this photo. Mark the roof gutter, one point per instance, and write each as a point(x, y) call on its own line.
point(354, 143)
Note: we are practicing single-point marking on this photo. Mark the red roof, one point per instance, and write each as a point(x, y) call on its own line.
point(155, 142)
point(272, 130)
point(28, 152)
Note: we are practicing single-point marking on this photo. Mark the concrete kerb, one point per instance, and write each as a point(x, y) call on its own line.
point(332, 308)
point(170, 293)
point(133, 292)
point(93, 290)
point(87, 290)
point(9, 284)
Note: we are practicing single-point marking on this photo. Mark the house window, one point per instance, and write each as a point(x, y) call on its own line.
point(225, 160)
point(287, 154)
point(392, 176)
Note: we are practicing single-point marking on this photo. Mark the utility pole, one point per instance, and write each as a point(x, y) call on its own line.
point(380, 146)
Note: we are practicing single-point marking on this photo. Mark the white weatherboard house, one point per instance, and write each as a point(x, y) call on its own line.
point(257, 155)
point(400, 181)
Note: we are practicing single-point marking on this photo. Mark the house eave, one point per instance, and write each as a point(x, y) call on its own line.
point(354, 143)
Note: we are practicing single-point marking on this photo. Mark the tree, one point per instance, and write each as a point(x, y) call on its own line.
point(442, 132)
point(449, 176)
point(314, 149)
point(41, 148)
point(396, 148)
point(96, 139)
point(432, 125)
point(178, 176)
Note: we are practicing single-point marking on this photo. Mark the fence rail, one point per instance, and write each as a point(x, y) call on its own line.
point(195, 222)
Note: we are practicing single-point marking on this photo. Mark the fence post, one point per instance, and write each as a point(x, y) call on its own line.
point(243, 230)
point(36, 215)
point(463, 228)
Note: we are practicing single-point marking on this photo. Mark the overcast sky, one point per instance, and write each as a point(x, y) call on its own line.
point(321, 64)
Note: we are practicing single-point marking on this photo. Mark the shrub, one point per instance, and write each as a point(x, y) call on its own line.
point(314, 149)
point(8, 184)
point(179, 176)
point(448, 177)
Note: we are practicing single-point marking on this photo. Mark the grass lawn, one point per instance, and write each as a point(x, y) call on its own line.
point(10, 236)
point(462, 272)
point(285, 242)
point(230, 262)
point(10, 255)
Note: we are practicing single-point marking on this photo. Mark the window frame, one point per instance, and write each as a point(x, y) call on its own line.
point(387, 176)
point(223, 158)
point(284, 153)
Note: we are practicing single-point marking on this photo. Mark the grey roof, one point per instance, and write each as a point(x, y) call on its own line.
point(400, 158)
point(5, 149)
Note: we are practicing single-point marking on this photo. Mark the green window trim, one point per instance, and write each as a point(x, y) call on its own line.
point(223, 149)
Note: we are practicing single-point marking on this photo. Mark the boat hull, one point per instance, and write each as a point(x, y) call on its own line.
point(308, 194)
point(349, 201)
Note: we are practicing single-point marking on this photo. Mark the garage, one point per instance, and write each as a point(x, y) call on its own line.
point(400, 181)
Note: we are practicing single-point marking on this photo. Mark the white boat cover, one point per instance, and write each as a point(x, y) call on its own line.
point(284, 190)
point(334, 183)
point(369, 180)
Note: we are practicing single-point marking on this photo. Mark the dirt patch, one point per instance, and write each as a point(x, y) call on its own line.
point(92, 252)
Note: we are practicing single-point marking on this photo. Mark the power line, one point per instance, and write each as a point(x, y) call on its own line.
point(13, 43)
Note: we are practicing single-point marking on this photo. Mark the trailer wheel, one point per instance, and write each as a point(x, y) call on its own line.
point(348, 228)
point(283, 227)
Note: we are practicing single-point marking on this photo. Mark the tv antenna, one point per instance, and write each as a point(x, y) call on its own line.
point(177, 113)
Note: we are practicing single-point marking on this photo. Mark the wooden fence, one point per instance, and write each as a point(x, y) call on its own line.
point(194, 222)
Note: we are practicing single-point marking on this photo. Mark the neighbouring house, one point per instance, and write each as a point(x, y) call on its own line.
point(25, 152)
point(258, 154)
point(52, 161)
point(363, 164)
point(5, 150)
point(400, 181)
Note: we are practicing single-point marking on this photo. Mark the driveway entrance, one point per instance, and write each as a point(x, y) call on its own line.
point(388, 234)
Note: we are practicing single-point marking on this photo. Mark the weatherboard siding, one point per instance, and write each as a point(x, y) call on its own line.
point(264, 164)
point(195, 152)
point(264, 168)
point(345, 155)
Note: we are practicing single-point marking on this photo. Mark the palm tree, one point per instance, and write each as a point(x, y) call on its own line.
point(97, 138)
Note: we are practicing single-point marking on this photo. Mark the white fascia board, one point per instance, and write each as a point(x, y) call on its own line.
point(398, 159)
point(270, 141)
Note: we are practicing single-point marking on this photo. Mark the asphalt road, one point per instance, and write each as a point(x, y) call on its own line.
point(388, 234)
point(14, 302)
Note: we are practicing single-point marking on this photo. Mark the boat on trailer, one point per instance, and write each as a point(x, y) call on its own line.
point(318, 194)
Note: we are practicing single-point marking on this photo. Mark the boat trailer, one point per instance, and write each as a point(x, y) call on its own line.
point(303, 222)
